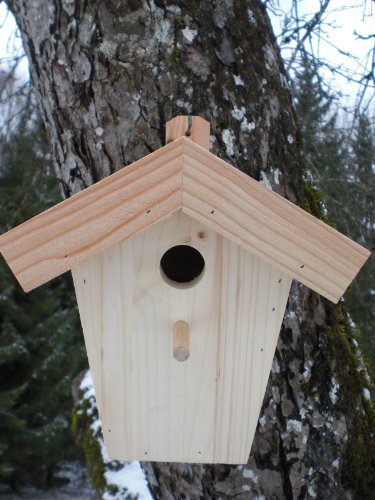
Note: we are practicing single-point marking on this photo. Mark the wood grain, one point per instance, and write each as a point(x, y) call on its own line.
point(183, 175)
point(267, 225)
point(93, 220)
point(151, 406)
point(199, 133)
point(181, 341)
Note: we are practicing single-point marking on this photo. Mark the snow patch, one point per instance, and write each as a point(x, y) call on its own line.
point(290, 139)
point(366, 394)
point(275, 366)
point(164, 32)
point(246, 126)
point(174, 9)
point(99, 131)
point(238, 80)
point(238, 113)
point(311, 491)
point(270, 57)
point(108, 48)
point(276, 176)
point(334, 389)
point(284, 81)
point(336, 463)
point(87, 386)
point(126, 477)
point(307, 369)
point(130, 480)
point(189, 34)
point(249, 474)
point(262, 421)
point(275, 394)
point(351, 322)
point(251, 17)
point(228, 138)
point(302, 412)
point(266, 183)
point(246, 487)
point(294, 426)
point(184, 104)
point(212, 142)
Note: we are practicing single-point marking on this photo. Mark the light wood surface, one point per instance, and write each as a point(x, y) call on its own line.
point(153, 407)
point(183, 175)
point(181, 341)
point(95, 219)
point(269, 226)
point(199, 132)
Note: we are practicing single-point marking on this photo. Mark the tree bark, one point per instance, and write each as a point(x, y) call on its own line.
point(108, 75)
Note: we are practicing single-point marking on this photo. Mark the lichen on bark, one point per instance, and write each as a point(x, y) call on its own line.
point(108, 75)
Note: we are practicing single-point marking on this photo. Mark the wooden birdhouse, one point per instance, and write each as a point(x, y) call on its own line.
point(182, 267)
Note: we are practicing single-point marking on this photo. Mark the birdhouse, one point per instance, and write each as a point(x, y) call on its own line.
point(182, 267)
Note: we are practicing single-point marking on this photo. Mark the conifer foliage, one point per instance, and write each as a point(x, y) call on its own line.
point(342, 160)
point(41, 348)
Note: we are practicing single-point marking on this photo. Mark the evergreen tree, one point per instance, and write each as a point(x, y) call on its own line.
point(41, 349)
point(361, 204)
point(323, 142)
point(343, 165)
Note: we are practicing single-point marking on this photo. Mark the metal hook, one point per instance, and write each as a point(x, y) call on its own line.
point(190, 124)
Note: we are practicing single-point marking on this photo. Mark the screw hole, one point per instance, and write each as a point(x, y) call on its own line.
point(212, 212)
point(273, 309)
point(109, 430)
point(84, 281)
point(303, 265)
point(199, 453)
point(148, 211)
point(261, 350)
point(146, 453)
point(280, 280)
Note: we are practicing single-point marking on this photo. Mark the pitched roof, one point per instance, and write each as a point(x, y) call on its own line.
point(183, 176)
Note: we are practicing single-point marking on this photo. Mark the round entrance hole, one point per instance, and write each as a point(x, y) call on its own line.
point(182, 266)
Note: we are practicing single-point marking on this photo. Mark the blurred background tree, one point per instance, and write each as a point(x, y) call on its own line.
point(342, 165)
point(41, 346)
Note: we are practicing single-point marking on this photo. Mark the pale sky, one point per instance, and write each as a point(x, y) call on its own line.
point(346, 16)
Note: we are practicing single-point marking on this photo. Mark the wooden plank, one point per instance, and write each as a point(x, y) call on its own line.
point(214, 192)
point(206, 408)
point(102, 215)
point(266, 224)
point(248, 337)
point(199, 132)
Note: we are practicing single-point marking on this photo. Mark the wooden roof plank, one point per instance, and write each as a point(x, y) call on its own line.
point(269, 225)
point(95, 219)
point(183, 175)
point(291, 212)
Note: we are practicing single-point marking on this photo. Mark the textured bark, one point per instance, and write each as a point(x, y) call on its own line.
point(108, 75)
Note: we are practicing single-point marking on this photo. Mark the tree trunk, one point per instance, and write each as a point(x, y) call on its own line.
point(108, 75)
